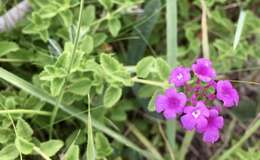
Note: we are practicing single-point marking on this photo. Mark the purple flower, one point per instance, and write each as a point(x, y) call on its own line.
point(179, 76)
point(227, 93)
point(203, 70)
point(195, 117)
point(171, 103)
point(211, 131)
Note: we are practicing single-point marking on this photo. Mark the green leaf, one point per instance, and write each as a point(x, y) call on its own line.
point(106, 3)
point(5, 135)
point(51, 147)
point(145, 67)
point(116, 73)
point(99, 38)
point(163, 68)
point(114, 26)
point(23, 145)
point(7, 47)
point(112, 95)
point(57, 85)
point(72, 153)
point(151, 104)
point(67, 17)
point(102, 145)
point(48, 11)
point(80, 87)
point(9, 152)
point(239, 29)
point(51, 72)
point(87, 44)
point(24, 130)
point(109, 63)
point(89, 15)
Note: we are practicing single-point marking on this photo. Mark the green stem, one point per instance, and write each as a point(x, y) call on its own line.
point(149, 82)
point(56, 108)
point(248, 133)
point(144, 140)
point(38, 150)
point(27, 111)
point(185, 144)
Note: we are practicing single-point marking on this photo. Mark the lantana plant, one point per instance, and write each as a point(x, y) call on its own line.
point(196, 97)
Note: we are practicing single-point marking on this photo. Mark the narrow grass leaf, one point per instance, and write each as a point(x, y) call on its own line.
point(172, 49)
point(91, 152)
point(240, 24)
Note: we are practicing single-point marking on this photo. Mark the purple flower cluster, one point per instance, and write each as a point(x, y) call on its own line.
point(193, 97)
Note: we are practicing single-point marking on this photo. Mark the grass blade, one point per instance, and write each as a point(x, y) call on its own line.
point(136, 47)
point(240, 24)
point(73, 111)
point(91, 152)
point(171, 20)
point(248, 133)
point(185, 144)
point(204, 27)
point(144, 140)
point(172, 49)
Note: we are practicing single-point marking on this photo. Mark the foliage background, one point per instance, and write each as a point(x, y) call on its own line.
point(120, 43)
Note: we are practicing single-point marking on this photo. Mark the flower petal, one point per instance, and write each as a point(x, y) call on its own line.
point(211, 135)
point(188, 122)
point(161, 103)
point(169, 113)
point(201, 124)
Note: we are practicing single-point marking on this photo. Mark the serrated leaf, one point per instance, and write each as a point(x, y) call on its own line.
point(7, 47)
point(111, 96)
point(5, 135)
point(99, 38)
point(23, 129)
point(9, 152)
point(89, 15)
point(23, 145)
point(80, 87)
point(87, 44)
point(72, 153)
point(116, 73)
point(103, 146)
point(114, 26)
point(151, 104)
point(51, 72)
point(145, 67)
point(51, 147)
point(67, 17)
point(163, 68)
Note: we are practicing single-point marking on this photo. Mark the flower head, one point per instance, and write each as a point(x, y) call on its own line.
point(195, 117)
point(179, 76)
point(203, 70)
point(227, 93)
point(171, 103)
point(211, 131)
